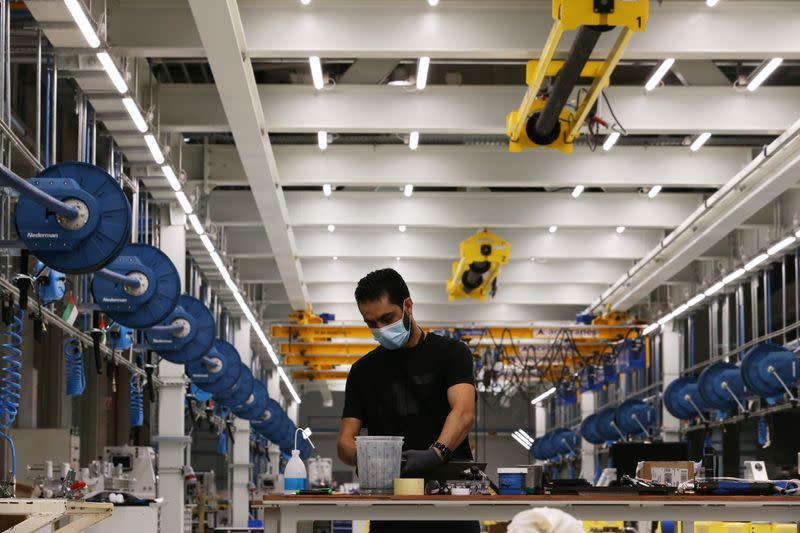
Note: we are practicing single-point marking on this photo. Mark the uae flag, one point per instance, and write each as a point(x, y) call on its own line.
point(70, 313)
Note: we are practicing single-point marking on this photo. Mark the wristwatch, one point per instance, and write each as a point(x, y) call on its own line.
point(447, 453)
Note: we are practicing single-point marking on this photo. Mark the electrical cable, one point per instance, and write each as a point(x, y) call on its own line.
point(75, 374)
point(9, 382)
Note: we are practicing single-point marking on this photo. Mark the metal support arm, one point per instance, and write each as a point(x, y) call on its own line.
point(116, 277)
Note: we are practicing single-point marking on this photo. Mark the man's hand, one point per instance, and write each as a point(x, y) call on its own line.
point(420, 462)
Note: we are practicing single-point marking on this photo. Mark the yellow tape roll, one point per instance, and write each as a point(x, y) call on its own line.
point(409, 487)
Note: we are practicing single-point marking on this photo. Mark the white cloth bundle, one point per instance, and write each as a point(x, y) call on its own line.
point(545, 520)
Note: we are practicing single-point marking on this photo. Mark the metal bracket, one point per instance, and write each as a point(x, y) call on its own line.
point(688, 398)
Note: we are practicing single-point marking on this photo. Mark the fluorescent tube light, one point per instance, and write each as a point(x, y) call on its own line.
point(697, 299)
point(753, 263)
point(654, 191)
point(763, 73)
point(649, 329)
point(679, 311)
point(402, 228)
point(288, 384)
point(659, 74)
point(733, 276)
point(136, 115)
point(422, 72)
point(112, 71)
point(543, 396)
point(781, 245)
point(666, 318)
point(82, 20)
point(196, 224)
point(331, 228)
point(207, 243)
point(577, 191)
point(184, 201)
point(172, 179)
point(155, 149)
point(620, 229)
point(714, 289)
point(408, 190)
point(327, 190)
point(413, 140)
point(552, 229)
point(316, 72)
point(322, 140)
point(611, 140)
point(700, 141)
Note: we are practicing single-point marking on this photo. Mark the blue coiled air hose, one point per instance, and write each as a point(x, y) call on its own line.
point(137, 402)
point(9, 381)
point(73, 359)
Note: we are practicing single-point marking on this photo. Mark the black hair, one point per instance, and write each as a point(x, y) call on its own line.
point(379, 282)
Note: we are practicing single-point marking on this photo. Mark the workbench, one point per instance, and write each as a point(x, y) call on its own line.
point(31, 515)
point(282, 513)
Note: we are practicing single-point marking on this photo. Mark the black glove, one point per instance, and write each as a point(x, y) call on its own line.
point(419, 462)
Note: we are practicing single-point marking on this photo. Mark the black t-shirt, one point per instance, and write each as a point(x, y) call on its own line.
point(404, 392)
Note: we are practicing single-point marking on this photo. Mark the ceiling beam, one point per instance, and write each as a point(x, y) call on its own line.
point(473, 313)
point(477, 166)
point(462, 210)
point(220, 27)
point(519, 271)
point(457, 30)
point(525, 294)
point(474, 166)
point(465, 110)
point(443, 243)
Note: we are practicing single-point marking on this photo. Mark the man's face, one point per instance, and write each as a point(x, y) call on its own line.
point(381, 312)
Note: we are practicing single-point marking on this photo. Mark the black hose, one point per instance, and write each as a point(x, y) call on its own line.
point(546, 123)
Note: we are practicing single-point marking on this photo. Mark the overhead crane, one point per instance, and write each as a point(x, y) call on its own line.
point(544, 117)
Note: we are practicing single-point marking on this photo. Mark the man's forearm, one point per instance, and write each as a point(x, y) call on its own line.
point(347, 452)
point(456, 428)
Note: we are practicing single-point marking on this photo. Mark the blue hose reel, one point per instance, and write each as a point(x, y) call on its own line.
point(186, 335)
point(722, 387)
point(635, 417)
point(683, 400)
point(253, 407)
point(589, 430)
point(769, 370)
point(140, 288)
point(73, 216)
point(218, 371)
point(606, 425)
point(555, 443)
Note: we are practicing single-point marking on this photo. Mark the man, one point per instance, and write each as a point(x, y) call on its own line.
point(414, 385)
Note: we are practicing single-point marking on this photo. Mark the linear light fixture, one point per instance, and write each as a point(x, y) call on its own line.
point(196, 224)
point(714, 289)
point(316, 72)
point(653, 192)
point(577, 191)
point(186, 205)
point(172, 179)
point(697, 299)
point(113, 73)
point(733, 276)
point(659, 74)
point(413, 140)
point(611, 140)
point(433, 3)
point(552, 229)
point(521, 442)
point(423, 65)
point(402, 228)
point(712, 3)
point(331, 228)
point(620, 229)
point(753, 263)
point(700, 141)
point(764, 72)
point(207, 243)
point(525, 434)
point(155, 149)
point(322, 140)
point(408, 190)
point(543, 396)
point(327, 190)
point(781, 245)
point(135, 114)
point(649, 329)
point(75, 9)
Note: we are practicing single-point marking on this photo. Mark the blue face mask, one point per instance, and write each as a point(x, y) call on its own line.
point(394, 336)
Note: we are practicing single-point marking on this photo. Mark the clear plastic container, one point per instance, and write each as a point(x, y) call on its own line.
point(378, 463)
